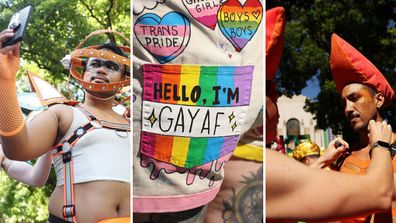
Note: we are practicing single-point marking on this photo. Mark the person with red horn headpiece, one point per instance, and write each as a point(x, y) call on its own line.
point(365, 93)
point(295, 186)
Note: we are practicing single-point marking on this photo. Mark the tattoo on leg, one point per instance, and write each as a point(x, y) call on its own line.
point(247, 205)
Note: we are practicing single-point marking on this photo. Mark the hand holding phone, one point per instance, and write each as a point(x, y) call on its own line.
point(340, 160)
point(337, 144)
point(18, 23)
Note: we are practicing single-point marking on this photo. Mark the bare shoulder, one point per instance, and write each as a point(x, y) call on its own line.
point(60, 108)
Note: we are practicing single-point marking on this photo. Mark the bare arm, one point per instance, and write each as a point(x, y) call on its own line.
point(36, 138)
point(314, 194)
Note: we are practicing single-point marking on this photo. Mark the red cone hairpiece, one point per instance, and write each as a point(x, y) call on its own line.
point(274, 42)
point(348, 66)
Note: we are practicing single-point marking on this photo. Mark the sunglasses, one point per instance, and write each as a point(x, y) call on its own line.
point(109, 65)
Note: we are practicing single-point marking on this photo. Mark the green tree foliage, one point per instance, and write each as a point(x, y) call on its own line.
point(55, 29)
point(367, 25)
point(21, 203)
point(57, 26)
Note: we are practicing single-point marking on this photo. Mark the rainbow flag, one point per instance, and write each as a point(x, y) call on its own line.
point(193, 114)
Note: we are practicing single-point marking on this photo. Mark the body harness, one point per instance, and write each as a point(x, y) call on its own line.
point(65, 148)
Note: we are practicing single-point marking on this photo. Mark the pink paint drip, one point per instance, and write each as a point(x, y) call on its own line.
point(203, 171)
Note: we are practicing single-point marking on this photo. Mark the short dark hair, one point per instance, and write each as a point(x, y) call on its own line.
point(372, 90)
point(112, 47)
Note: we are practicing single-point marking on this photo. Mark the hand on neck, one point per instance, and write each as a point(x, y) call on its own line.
point(365, 136)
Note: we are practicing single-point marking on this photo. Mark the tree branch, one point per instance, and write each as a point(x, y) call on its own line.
point(90, 9)
point(108, 13)
point(108, 19)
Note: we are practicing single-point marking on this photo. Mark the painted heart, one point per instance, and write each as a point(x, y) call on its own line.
point(239, 23)
point(256, 14)
point(165, 38)
point(204, 11)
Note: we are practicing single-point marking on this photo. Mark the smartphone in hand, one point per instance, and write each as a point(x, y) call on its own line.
point(337, 144)
point(18, 23)
point(340, 160)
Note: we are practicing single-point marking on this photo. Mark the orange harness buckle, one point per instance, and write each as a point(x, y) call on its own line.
point(69, 210)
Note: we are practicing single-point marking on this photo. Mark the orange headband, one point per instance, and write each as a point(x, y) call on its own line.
point(79, 53)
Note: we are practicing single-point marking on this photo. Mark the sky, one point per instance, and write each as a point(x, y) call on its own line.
point(312, 89)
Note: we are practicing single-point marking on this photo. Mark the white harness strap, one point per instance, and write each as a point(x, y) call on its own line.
point(65, 149)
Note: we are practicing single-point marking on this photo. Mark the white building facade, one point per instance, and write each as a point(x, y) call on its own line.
point(294, 121)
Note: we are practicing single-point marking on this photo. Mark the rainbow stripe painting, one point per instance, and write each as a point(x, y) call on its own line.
point(165, 38)
point(239, 23)
point(193, 114)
